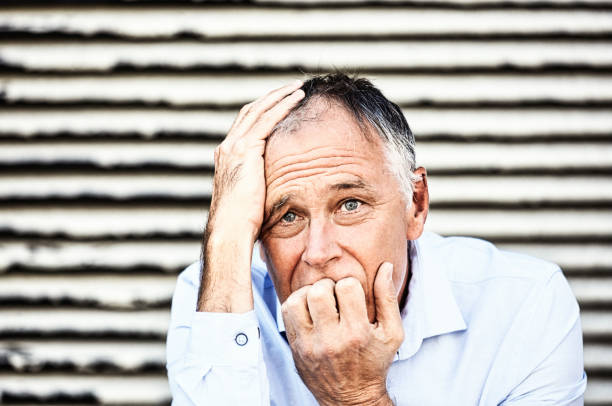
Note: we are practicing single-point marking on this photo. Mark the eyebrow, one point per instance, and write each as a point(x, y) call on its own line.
point(278, 205)
point(357, 184)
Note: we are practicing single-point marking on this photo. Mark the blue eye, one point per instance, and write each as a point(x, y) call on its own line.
point(351, 205)
point(289, 217)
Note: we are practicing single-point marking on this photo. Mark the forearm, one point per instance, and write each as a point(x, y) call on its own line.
point(226, 277)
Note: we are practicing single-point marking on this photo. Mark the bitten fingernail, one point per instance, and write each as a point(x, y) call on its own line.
point(389, 270)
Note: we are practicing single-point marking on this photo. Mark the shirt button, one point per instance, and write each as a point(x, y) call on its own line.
point(241, 339)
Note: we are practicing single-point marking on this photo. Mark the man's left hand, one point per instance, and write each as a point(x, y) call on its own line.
point(343, 358)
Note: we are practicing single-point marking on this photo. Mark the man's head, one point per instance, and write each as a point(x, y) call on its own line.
point(342, 192)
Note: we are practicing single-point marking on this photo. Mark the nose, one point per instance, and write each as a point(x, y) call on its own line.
point(321, 244)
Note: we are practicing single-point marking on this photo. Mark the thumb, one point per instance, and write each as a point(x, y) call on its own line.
point(385, 297)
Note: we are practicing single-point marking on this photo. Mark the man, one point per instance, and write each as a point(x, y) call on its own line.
point(344, 300)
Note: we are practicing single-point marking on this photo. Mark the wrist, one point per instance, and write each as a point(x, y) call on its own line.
point(383, 400)
point(230, 239)
point(371, 398)
point(226, 275)
point(226, 219)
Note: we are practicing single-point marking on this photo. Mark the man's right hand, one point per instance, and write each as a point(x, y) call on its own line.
point(237, 205)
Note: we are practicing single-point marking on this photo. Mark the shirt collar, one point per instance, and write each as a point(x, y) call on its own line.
point(431, 308)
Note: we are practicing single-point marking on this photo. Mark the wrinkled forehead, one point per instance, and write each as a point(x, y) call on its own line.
point(320, 114)
point(328, 141)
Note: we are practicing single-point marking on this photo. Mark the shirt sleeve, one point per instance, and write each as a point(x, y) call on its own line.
point(213, 358)
point(552, 350)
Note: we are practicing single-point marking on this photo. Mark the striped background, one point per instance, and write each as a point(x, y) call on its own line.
point(110, 111)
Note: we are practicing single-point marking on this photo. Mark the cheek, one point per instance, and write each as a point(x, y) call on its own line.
point(375, 241)
point(282, 256)
point(379, 241)
point(393, 246)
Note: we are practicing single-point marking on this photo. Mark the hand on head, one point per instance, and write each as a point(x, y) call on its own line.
point(236, 210)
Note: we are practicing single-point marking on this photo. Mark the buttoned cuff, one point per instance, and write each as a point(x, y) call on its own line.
point(225, 339)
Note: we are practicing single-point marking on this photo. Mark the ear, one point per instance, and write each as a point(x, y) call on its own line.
point(416, 214)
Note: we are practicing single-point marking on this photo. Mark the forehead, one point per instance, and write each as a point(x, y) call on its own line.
point(326, 131)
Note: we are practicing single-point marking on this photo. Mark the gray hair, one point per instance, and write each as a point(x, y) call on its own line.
point(371, 109)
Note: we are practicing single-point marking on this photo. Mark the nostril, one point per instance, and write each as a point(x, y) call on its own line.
point(314, 257)
point(320, 256)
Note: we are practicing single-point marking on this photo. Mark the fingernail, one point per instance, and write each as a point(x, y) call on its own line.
point(298, 82)
point(389, 271)
point(299, 93)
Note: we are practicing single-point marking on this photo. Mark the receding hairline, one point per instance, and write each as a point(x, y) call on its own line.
point(311, 110)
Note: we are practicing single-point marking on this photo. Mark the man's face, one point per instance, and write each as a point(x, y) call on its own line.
point(332, 208)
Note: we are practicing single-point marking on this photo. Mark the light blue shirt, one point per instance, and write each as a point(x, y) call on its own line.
point(482, 327)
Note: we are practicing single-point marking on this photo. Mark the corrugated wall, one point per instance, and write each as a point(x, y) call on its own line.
point(110, 111)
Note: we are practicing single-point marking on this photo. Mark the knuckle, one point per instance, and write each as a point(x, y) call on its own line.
point(324, 350)
point(357, 338)
point(294, 300)
point(258, 126)
point(329, 351)
point(289, 304)
point(354, 341)
point(303, 291)
point(395, 337)
point(285, 309)
point(325, 283)
point(223, 148)
point(265, 116)
point(291, 336)
point(316, 292)
point(320, 289)
point(256, 108)
point(244, 109)
point(399, 336)
point(307, 352)
point(240, 148)
point(348, 284)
